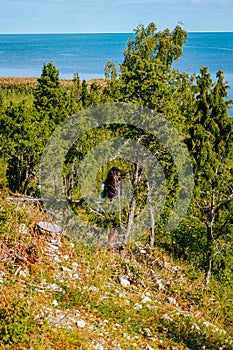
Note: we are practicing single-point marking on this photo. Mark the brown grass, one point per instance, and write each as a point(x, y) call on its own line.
point(32, 81)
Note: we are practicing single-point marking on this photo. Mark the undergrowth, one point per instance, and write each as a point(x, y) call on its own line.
point(75, 299)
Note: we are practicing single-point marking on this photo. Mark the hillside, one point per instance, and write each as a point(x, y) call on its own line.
point(175, 155)
point(57, 294)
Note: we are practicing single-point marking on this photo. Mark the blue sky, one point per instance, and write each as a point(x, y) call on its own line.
point(87, 16)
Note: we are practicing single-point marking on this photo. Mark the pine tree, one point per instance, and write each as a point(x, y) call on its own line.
point(48, 92)
point(24, 139)
point(77, 90)
point(50, 98)
point(211, 146)
point(85, 98)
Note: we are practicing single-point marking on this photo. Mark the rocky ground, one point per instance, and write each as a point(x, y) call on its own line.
point(59, 294)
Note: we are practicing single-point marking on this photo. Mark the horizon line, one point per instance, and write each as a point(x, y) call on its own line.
point(132, 32)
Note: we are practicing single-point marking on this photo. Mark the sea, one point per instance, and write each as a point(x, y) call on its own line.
point(23, 55)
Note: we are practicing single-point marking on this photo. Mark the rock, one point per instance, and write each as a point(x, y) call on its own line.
point(52, 247)
point(56, 242)
point(146, 300)
point(172, 301)
point(175, 269)
point(159, 283)
point(46, 226)
point(57, 259)
point(166, 317)
point(2, 275)
point(93, 289)
point(50, 230)
point(81, 323)
point(55, 288)
point(127, 336)
point(69, 272)
point(75, 265)
point(138, 306)
point(23, 229)
point(98, 346)
point(54, 303)
point(124, 281)
point(209, 324)
point(23, 273)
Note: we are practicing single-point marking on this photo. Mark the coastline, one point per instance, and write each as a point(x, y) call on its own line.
point(32, 81)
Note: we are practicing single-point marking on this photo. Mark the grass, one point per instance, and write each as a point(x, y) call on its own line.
point(165, 306)
point(28, 83)
point(21, 89)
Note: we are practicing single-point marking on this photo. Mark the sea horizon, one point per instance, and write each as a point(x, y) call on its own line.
point(34, 33)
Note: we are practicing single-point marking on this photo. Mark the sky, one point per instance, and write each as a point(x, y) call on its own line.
point(113, 16)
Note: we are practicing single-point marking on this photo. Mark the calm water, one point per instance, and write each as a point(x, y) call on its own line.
point(85, 54)
point(23, 55)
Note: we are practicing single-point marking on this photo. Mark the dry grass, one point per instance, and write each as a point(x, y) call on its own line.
point(68, 296)
point(32, 81)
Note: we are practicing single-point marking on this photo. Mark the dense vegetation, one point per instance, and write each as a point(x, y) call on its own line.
point(197, 107)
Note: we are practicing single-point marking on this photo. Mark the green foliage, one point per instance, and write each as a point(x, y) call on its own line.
point(3, 167)
point(48, 93)
point(111, 91)
point(151, 46)
point(84, 94)
point(146, 73)
point(192, 335)
point(95, 94)
point(50, 98)
point(23, 141)
point(26, 125)
point(77, 90)
point(210, 143)
point(17, 323)
point(195, 105)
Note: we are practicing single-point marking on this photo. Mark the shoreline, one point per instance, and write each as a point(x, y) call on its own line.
point(33, 81)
